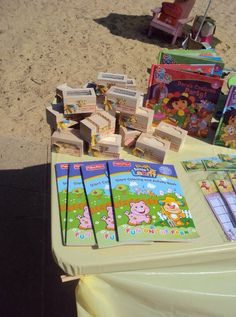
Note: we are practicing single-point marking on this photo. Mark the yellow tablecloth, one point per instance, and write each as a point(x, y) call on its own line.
point(196, 278)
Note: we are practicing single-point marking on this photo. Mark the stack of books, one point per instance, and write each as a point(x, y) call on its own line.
point(117, 202)
point(184, 88)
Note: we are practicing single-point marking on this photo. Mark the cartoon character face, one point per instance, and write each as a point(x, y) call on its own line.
point(180, 104)
point(139, 208)
point(172, 207)
point(230, 130)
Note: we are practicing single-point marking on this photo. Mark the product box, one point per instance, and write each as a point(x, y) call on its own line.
point(68, 142)
point(79, 100)
point(174, 134)
point(151, 147)
point(141, 120)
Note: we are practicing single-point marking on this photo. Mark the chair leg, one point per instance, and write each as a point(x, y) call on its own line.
point(149, 31)
point(174, 39)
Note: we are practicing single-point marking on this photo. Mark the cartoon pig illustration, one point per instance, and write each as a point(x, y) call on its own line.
point(109, 219)
point(138, 213)
point(85, 221)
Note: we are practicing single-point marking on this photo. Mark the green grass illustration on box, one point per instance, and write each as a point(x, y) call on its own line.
point(149, 203)
point(79, 229)
point(96, 182)
point(193, 165)
point(61, 170)
point(218, 163)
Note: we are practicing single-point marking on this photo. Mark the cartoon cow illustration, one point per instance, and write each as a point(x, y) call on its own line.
point(138, 213)
point(109, 219)
point(85, 221)
point(170, 208)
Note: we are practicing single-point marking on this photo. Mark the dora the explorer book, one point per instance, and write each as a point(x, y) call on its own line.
point(97, 188)
point(182, 98)
point(149, 203)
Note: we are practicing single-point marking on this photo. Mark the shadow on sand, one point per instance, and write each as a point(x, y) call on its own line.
point(135, 27)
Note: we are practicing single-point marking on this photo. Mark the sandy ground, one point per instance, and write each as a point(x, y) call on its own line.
point(48, 42)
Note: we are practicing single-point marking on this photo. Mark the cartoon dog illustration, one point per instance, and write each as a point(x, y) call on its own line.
point(170, 208)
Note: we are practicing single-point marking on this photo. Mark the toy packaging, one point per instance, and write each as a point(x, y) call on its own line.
point(79, 100)
point(215, 163)
point(225, 187)
point(79, 229)
point(141, 120)
point(61, 170)
point(68, 142)
point(97, 188)
point(183, 99)
point(218, 207)
point(110, 79)
point(175, 135)
point(182, 56)
point(149, 203)
point(226, 131)
point(151, 147)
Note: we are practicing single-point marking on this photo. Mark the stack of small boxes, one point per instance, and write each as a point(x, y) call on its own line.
point(88, 118)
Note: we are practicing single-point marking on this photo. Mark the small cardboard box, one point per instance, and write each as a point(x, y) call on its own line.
point(110, 143)
point(174, 134)
point(128, 136)
point(80, 100)
point(131, 83)
point(61, 88)
point(110, 79)
point(125, 100)
point(68, 142)
point(151, 147)
point(141, 120)
point(54, 114)
point(98, 125)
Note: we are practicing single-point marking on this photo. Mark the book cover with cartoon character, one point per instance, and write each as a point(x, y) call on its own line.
point(61, 170)
point(97, 188)
point(226, 131)
point(148, 202)
point(182, 98)
point(79, 229)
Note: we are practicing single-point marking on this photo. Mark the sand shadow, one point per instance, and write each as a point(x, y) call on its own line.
point(135, 27)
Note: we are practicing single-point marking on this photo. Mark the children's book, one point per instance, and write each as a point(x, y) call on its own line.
point(226, 131)
point(194, 165)
point(61, 170)
point(97, 188)
point(183, 98)
point(190, 57)
point(149, 203)
point(219, 208)
point(79, 229)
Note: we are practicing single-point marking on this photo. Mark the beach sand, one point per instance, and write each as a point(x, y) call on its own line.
point(46, 43)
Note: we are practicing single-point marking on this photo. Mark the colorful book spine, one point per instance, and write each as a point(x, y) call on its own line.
point(97, 188)
point(218, 207)
point(61, 170)
point(79, 229)
point(232, 177)
point(149, 203)
point(173, 57)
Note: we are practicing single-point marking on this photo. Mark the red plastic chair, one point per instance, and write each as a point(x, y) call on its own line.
point(177, 29)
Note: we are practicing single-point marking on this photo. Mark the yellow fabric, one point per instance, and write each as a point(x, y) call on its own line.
point(196, 278)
